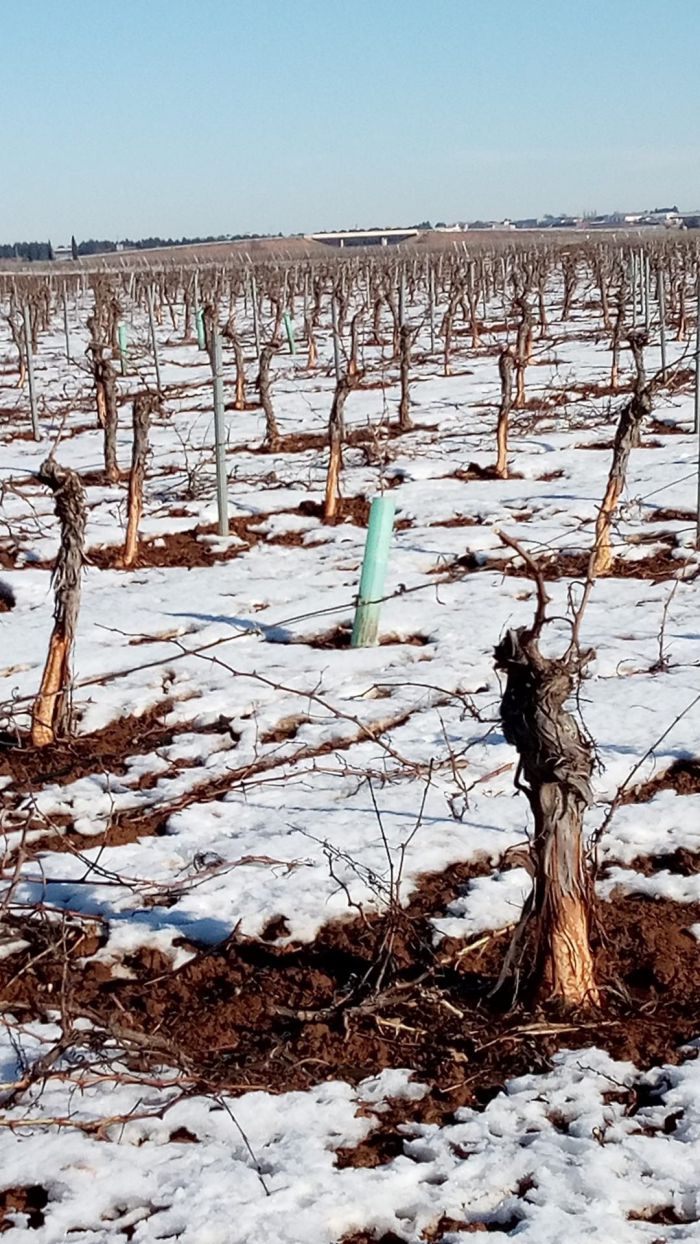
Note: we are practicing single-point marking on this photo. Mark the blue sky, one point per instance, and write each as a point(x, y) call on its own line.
point(214, 116)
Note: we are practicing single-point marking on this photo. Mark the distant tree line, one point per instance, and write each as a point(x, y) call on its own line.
point(27, 250)
point(101, 246)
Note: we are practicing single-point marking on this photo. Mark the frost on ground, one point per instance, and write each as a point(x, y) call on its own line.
point(242, 781)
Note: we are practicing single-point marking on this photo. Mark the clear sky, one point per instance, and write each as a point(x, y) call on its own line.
point(182, 117)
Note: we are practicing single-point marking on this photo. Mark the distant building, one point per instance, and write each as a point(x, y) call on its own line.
point(363, 237)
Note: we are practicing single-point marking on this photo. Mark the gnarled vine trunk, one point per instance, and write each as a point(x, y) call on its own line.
point(627, 437)
point(272, 432)
point(551, 945)
point(144, 405)
point(336, 434)
point(52, 708)
point(405, 343)
point(506, 361)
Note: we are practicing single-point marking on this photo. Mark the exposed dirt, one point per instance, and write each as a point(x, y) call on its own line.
point(475, 471)
point(128, 826)
point(681, 863)
point(107, 749)
point(373, 992)
point(340, 636)
point(349, 509)
point(586, 389)
point(7, 597)
point(683, 776)
point(662, 428)
point(654, 568)
point(298, 443)
point(459, 520)
point(670, 516)
point(680, 378)
point(303, 442)
point(609, 445)
point(188, 549)
point(30, 1201)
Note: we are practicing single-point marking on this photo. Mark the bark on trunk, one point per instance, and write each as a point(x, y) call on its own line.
point(682, 329)
point(272, 432)
point(569, 273)
point(51, 714)
point(617, 337)
point(231, 335)
point(144, 405)
point(405, 342)
point(336, 435)
point(626, 438)
point(505, 368)
point(108, 387)
point(523, 350)
point(354, 341)
point(550, 954)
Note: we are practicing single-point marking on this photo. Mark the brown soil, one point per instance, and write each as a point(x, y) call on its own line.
point(670, 516)
point(474, 471)
point(30, 1201)
point(107, 750)
point(129, 826)
point(683, 776)
point(350, 509)
point(370, 993)
point(664, 429)
point(299, 443)
point(187, 549)
point(656, 567)
point(680, 379)
point(340, 636)
point(303, 442)
point(609, 445)
point(97, 478)
point(681, 863)
point(600, 390)
point(459, 520)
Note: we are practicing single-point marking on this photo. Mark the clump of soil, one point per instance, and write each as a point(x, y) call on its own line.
point(340, 636)
point(459, 520)
point(475, 471)
point(683, 776)
point(654, 568)
point(350, 509)
point(610, 444)
point(30, 1201)
point(670, 516)
point(665, 429)
point(7, 597)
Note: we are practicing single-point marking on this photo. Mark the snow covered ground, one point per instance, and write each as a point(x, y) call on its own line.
point(293, 774)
